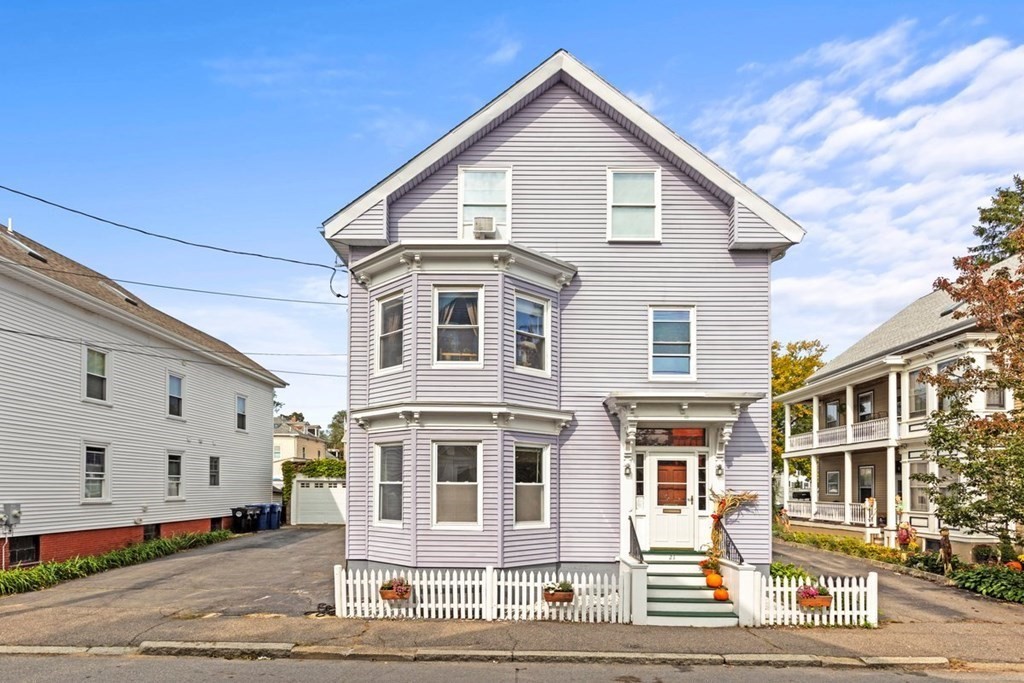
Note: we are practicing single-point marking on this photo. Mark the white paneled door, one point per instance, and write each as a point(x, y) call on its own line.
point(673, 513)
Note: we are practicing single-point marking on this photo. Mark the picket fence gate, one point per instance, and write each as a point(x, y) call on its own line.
point(854, 602)
point(486, 594)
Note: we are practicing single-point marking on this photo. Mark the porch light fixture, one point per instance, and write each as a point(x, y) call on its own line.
point(627, 470)
point(719, 470)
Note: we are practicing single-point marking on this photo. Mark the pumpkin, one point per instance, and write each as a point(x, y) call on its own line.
point(1015, 565)
point(714, 580)
point(721, 594)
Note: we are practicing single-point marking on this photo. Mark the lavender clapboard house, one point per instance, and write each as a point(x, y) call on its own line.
point(559, 325)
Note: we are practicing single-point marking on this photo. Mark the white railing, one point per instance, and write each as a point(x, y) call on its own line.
point(833, 436)
point(830, 512)
point(477, 594)
point(871, 430)
point(799, 441)
point(861, 513)
point(799, 509)
point(854, 602)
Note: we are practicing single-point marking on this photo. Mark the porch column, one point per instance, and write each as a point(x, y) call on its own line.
point(814, 484)
point(849, 413)
point(848, 485)
point(893, 417)
point(814, 422)
point(785, 481)
point(787, 427)
point(890, 488)
point(905, 407)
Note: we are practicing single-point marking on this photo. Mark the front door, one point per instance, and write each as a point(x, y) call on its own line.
point(672, 510)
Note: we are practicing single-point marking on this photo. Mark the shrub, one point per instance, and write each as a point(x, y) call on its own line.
point(847, 546)
point(931, 562)
point(784, 570)
point(50, 574)
point(984, 554)
point(1006, 551)
point(992, 580)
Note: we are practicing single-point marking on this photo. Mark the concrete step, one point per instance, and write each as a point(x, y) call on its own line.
point(681, 554)
point(689, 605)
point(678, 579)
point(675, 618)
point(673, 568)
point(661, 590)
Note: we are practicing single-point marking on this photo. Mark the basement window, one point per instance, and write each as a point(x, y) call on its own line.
point(24, 550)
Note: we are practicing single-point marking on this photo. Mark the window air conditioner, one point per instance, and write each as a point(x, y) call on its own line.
point(483, 227)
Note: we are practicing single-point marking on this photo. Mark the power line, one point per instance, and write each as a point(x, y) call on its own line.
point(150, 233)
point(181, 289)
point(77, 342)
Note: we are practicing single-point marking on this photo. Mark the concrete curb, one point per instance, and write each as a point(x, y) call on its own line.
point(225, 650)
point(41, 650)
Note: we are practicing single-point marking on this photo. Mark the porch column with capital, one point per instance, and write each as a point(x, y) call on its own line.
point(787, 427)
point(785, 482)
point(849, 413)
point(848, 486)
point(890, 488)
point(893, 417)
point(814, 422)
point(814, 484)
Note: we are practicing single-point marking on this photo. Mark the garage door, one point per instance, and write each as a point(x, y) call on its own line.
point(318, 501)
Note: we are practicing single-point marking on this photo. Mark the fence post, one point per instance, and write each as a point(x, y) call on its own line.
point(873, 599)
point(625, 586)
point(638, 597)
point(339, 592)
point(490, 592)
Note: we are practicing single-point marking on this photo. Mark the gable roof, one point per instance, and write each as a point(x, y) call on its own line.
point(562, 67)
point(17, 259)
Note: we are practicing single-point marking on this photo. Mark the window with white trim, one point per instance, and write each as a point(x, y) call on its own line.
point(175, 394)
point(865, 482)
point(918, 394)
point(96, 374)
point(995, 398)
point(532, 326)
point(918, 489)
point(486, 195)
point(389, 483)
point(671, 342)
point(390, 328)
point(865, 405)
point(457, 328)
point(831, 414)
point(175, 471)
point(531, 494)
point(634, 205)
point(95, 485)
point(457, 484)
point(240, 406)
point(946, 402)
point(214, 471)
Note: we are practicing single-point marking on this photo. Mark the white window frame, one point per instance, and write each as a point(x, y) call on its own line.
point(913, 483)
point(871, 393)
point(874, 481)
point(167, 475)
point(377, 460)
point(211, 470)
point(839, 414)
point(108, 367)
point(277, 452)
point(379, 307)
point(107, 479)
point(610, 179)
point(914, 381)
point(546, 303)
point(545, 523)
point(504, 233)
point(829, 483)
point(650, 345)
point(181, 376)
point(436, 310)
point(245, 399)
point(457, 526)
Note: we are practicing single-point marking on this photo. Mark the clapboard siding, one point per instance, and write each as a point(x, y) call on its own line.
point(751, 227)
point(391, 386)
point(524, 546)
point(45, 421)
point(524, 387)
point(385, 543)
point(370, 225)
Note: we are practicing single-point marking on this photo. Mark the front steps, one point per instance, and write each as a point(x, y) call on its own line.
point(677, 594)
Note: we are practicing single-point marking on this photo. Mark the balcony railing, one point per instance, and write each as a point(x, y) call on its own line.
point(799, 441)
point(872, 430)
point(833, 436)
point(861, 514)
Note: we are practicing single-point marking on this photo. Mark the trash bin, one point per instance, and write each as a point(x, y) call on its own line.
point(275, 516)
point(240, 522)
point(255, 515)
point(262, 521)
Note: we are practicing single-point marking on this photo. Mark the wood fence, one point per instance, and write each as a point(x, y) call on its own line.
point(854, 602)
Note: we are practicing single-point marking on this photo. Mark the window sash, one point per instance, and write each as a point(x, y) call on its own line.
point(671, 345)
point(214, 471)
point(96, 375)
point(995, 398)
point(389, 483)
point(240, 412)
point(531, 334)
point(832, 416)
point(457, 342)
point(174, 476)
point(390, 333)
point(865, 408)
point(95, 473)
point(633, 198)
point(457, 484)
point(175, 386)
point(918, 501)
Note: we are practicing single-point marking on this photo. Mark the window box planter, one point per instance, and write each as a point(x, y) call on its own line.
point(816, 601)
point(392, 594)
point(558, 596)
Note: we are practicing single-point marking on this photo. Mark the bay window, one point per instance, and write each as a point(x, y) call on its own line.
point(456, 484)
point(389, 483)
point(531, 493)
point(457, 326)
point(531, 334)
point(390, 325)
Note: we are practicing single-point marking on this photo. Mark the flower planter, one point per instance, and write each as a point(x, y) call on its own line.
point(558, 596)
point(817, 601)
point(389, 594)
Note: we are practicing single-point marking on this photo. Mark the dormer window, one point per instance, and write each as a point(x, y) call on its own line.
point(485, 197)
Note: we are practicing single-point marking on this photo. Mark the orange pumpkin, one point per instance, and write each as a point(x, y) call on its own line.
point(721, 594)
point(1015, 565)
point(714, 580)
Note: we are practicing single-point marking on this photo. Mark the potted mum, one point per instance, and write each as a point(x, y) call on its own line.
point(709, 565)
point(809, 596)
point(395, 588)
point(558, 592)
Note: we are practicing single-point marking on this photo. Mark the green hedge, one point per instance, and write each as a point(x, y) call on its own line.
point(845, 545)
point(993, 580)
point(784, 570)
point(50, 574)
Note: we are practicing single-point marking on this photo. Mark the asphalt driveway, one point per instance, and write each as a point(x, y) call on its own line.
point(255, 579)
point(903, 598)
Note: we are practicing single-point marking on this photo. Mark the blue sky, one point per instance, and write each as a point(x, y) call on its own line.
point(880, 126)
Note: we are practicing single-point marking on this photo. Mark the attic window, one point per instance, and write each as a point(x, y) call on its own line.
point(24, 247)
point(121, 293)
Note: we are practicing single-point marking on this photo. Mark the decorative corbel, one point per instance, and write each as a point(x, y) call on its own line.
point(494, 419)
point(415, 418)
point(563, 279)
point(563, 424)
point(361, 422)
point(736, 409)
point(509, 418)
point(723, 439)
point(363, 279)
point(411, 261)
point(683, 407)
point(630, 434)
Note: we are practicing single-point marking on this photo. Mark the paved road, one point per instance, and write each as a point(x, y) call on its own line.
point(177, 670)
point(903, 598)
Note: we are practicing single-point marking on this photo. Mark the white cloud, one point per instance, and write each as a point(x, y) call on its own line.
point(946, 72)
point(506, 51)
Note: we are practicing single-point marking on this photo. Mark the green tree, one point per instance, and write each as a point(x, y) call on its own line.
point(996, 222)
point(981, 457)
point(277, 404)
point(791, 366)
point(335, 433)
point(295, 417)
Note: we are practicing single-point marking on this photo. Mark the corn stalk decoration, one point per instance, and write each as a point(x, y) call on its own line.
point(726, 503)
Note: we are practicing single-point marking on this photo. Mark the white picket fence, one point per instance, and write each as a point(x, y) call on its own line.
point(477, 594)
point(854, 602)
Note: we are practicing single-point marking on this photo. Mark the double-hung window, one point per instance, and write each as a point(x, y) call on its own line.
point(531, 334)
point(389, 333)
point(457, 325)
point(865, 405)
point(214, 471)
point(919, 499)
point(634, 205)
point(96, 374)
point(174, 475)
point(865, 482)
point(945, 402)
point(240, 412)
point(831, 414)
point(389, 483)
point(918, 394)
point(485, 195)
point(671, 343)
point(175, 394)
point(531, 499)
point(95, 484)
point(457, 470)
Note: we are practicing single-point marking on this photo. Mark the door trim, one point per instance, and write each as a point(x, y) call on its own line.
point(652, 458)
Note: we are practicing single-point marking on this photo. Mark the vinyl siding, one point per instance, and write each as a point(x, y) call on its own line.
point(384, 543)
point(749, 227)
point(391, 386)
point(45, 422)
point(525, 546)
point(834, 463)
point(370, 225)
point(524, 387)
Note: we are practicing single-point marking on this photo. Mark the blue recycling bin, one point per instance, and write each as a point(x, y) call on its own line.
point(262, 521)
point(275, 516)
